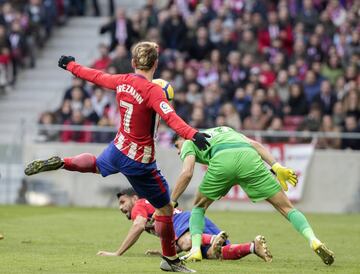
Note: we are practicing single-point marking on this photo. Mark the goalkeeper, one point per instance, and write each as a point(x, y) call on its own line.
point(232, 158)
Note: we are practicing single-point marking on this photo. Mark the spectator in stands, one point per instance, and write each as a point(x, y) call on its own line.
point(257, 119)
point(104, 60)
point(338, 115)
point(121, 30)
point(275, 125)
point(248, 45)
point(121, 60)
point(207, 74)
point(327, 126)
point(351, 126)
point(64, 112)
point(352, 103)
point(19, 47)
point(76, 83)
point(308, 15)
point(37, 19)
point(226, 44)
point(282, 85)
point(77, 119)
point(183, 107)
point(312, 121)
point(297, 104)
point(99, 101)
point(326, 98)
point(198, 118)
point(173, 30)
point(201, 46)
point(47, 133)
point(267, 58)
point(332, 70)
point(5, 66)
point(241, 102)
point(231, 116)
point(311, 85)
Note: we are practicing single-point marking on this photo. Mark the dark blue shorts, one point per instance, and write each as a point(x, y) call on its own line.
point(182, 225)
point(146, 179)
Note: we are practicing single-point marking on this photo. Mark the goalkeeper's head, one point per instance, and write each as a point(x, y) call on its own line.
point(145, 56)
point(178, 141)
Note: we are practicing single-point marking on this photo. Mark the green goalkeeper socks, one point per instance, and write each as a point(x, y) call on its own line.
point(197, 223)
point(300, 223)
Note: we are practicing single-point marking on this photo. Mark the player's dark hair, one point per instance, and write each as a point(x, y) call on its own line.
point(174, 138)
point(127, 191)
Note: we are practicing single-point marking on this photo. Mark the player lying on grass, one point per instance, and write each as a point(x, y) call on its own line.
point(214, 243)
point(232, 158)
point(141, 103)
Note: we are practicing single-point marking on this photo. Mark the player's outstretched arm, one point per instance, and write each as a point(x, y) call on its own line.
point(264, 153)
point(97, 77)
point(185, 177)
point(133, 235)
point(284, 175)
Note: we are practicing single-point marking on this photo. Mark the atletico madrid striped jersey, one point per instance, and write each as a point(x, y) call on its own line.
point(141, 104)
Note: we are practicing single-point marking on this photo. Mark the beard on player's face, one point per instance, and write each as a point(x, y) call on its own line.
point(125, 206)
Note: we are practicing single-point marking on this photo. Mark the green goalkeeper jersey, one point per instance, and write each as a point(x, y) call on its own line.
point(221, 137)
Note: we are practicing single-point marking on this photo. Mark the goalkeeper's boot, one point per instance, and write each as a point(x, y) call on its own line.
point(214, 251)
point(326, 255)
point(194, 255)
point(174, 265)
point(261, 249)
point(38, 166)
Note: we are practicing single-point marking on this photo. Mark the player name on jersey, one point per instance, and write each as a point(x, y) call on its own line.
point(130, 89)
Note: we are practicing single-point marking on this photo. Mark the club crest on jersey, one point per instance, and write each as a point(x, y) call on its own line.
point(165, 107)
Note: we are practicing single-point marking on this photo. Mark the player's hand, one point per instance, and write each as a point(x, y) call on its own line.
point(64, 61)
point(174, 204)
point(200, 141)
point(285, 175)
point(106, 253)
point(151, 252)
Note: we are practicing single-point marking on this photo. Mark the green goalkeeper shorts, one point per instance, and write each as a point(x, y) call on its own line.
point(242, 166)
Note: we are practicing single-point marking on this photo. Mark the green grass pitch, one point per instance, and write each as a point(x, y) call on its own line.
point(65, 240)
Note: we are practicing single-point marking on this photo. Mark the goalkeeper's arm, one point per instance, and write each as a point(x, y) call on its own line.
point(184, 179)
point(283, 174)
point(264, 153)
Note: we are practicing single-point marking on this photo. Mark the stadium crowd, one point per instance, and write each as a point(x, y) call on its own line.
point(25, 26)
point(252, 65)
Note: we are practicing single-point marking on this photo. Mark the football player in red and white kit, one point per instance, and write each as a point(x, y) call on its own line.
point(214, 243)
point(141, 103)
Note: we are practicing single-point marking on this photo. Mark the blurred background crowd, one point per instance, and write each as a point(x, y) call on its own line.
point(26, 25)
point(253, 65)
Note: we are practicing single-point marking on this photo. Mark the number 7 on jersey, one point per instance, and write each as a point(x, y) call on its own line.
point(127, 117)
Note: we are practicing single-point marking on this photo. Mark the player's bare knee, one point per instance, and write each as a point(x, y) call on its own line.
point(202, 201)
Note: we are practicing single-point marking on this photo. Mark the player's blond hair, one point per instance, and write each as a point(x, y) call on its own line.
point(145, 55)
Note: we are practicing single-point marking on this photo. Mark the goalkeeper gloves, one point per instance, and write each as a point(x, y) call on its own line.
point(64, 61)
point(200, 141)
point(284, 175)
point(174, 204)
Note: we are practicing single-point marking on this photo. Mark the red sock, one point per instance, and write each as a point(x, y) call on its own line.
point(236, 251)
point(206, 239)
point(85, 162)
point(164, 227)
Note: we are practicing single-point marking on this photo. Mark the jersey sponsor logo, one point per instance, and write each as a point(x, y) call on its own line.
point(165, 107)
point(130, 89)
